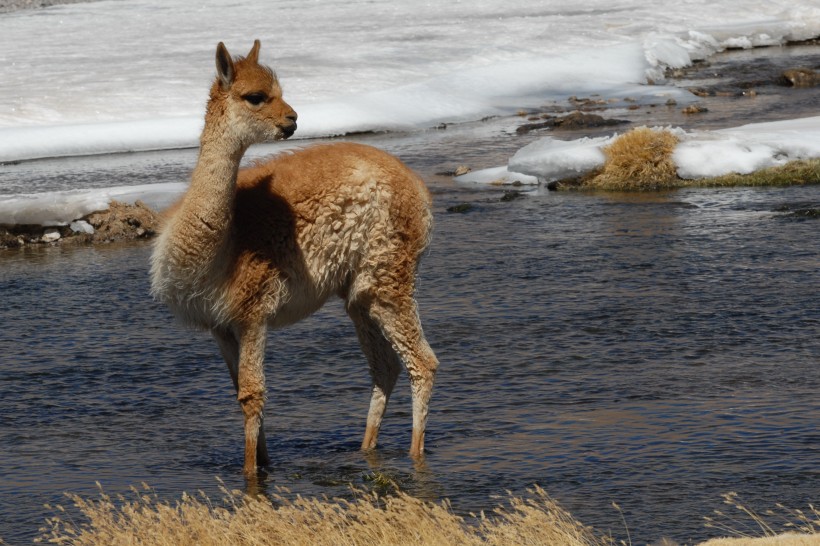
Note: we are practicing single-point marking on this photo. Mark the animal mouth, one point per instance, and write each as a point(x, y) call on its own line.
point(288, 131)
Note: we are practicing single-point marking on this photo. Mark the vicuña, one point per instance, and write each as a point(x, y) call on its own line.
point(266, 246)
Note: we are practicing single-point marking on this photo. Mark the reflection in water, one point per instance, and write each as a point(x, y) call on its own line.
point(654, 350)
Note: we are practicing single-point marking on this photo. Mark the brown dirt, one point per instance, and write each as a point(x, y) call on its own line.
point(121, 222)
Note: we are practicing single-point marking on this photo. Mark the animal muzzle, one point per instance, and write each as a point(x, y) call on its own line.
point(288, 130)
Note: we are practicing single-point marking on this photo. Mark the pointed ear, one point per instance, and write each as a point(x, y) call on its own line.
point(224, 66)
point(253, 56)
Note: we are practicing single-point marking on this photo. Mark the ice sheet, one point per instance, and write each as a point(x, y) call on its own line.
point(118, 76)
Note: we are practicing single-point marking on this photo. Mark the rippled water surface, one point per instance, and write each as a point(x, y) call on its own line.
point(655, 350)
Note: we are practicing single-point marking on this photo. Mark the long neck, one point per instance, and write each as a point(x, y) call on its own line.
point(205, 215)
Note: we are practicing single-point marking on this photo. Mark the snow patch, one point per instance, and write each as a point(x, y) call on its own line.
point(62, 207)
point(707, 156)
point(552, 159)
point(700, 154)
point(497, 176)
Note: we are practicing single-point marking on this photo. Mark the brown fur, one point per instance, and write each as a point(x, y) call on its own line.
point(266, 247)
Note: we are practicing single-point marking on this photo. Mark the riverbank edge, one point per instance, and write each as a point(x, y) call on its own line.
point(127, 222)
point(119, 222)
point(387, 517)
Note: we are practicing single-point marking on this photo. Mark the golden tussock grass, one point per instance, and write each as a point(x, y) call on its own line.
point(367, 519)
point(641, 159)
point(638, 160)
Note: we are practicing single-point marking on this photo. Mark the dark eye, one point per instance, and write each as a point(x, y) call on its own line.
point(255, 98)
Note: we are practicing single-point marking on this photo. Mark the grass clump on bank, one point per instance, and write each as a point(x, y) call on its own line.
point(641, 160)
point(638, 160)
point(368, 518)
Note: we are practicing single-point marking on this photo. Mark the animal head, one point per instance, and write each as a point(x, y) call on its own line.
point(250, 95)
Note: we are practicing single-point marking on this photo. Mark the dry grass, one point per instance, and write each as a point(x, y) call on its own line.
point(641, 159)
point(793, 173)
point(638, 160)
point(781, 527)
point(368, 519)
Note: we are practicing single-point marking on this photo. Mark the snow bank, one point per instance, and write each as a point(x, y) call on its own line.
point(466, 95)
point(700, 154)
point(677, 50)
point(77, 81)
point(98, 138)
point(63, 207)
point(747, 148)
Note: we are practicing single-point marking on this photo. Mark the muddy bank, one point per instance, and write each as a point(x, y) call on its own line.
point(121, 222)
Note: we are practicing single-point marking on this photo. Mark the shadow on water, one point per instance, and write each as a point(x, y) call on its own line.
point(655, 350)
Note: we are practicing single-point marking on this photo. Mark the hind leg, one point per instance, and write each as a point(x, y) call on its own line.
point(398, 322)
point(384, 369)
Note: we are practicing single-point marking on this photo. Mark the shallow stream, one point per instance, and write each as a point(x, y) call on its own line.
point(655, 350)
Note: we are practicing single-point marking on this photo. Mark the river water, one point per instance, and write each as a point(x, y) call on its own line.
point(655, 350)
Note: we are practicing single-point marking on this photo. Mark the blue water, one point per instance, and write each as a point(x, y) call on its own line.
point(655, 350)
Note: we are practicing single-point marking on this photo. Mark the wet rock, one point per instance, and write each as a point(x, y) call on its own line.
point(537, 121)
point(801, 77)
point(590, 103)
point(570, 122)
point(579, 120)
point(526, 128)
point(511, 195)
point(461, 208)
point(737, 91)
point(695, 109)
point(10, 240)
point(458, 171)
point(50, 235)
point(800, 210)
point(81, 226)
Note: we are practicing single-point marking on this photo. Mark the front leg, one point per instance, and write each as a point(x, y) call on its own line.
point(229, 347)
point(251, 392)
